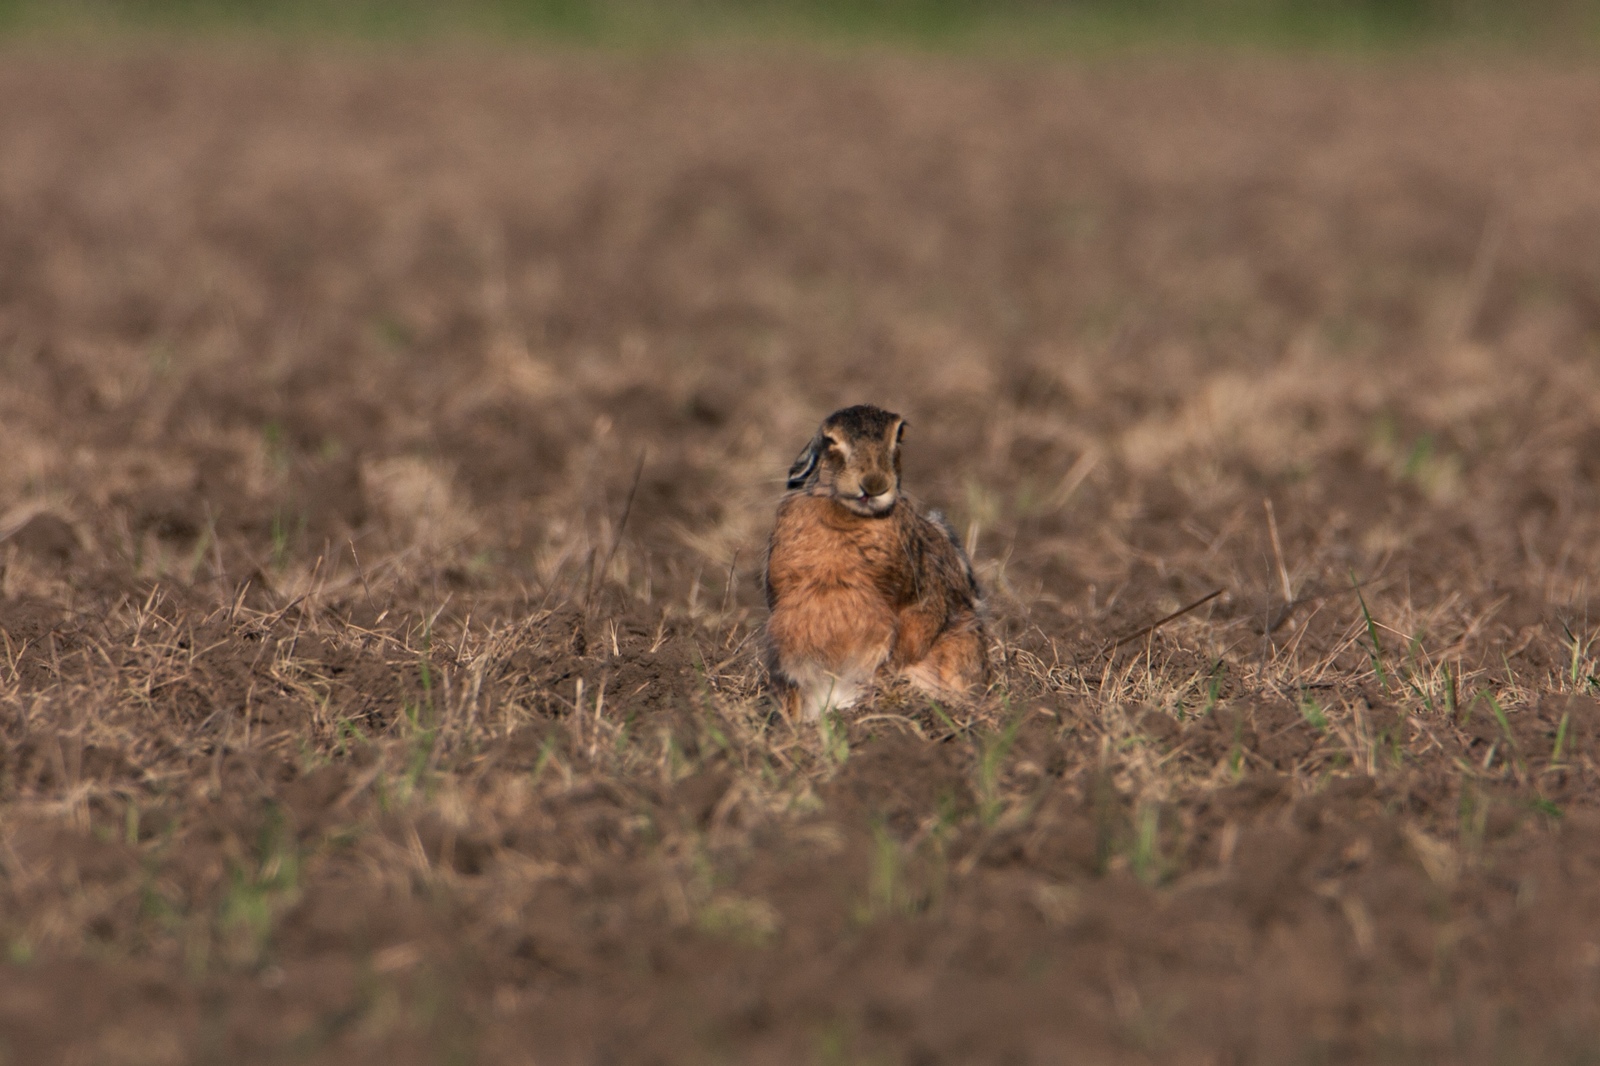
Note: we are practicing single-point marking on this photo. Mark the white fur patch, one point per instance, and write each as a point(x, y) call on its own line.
point(823, 690)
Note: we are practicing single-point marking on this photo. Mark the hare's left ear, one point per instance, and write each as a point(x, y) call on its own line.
point(805, 467)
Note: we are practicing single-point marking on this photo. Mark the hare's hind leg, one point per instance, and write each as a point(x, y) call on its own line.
point(786, 694)
point(957, 662)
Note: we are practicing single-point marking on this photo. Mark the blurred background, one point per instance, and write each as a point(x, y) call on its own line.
point(1035, 23)
point(394, 399)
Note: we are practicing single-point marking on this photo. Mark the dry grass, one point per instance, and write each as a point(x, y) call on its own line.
point(389, 447)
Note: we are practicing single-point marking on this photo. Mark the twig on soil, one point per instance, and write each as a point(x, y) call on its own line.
point(727, 587)
point(597, 576)
point(1157, 624)
point(361, 573)
point(216, 546)
point(898, 719)
point(1277, 550)
point(1483, 263)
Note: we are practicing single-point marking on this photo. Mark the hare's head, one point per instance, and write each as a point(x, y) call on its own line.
point(854, 458)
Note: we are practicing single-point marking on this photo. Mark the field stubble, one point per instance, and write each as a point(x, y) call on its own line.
point(389, 444)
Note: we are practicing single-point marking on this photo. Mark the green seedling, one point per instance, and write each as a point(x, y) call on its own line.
point(1236, 753)
point(202, 544)
point(155, 907)
point(674, 764)
point(1146, 859)
point(833, 1046)
point(888, 893)
point(1505, 729)
point(423, 738)
point(835, 739)
point(1499, 716)
point(945, 720)
point(992, 753)
point(1375, 652)
point(739, 919)
point(260, 890)
point(285, 531)
point(392, 333)
point(1107, 816)
point(277, 449)
point(1548, 808)
point(1561, 739)
point(1219, 671)
point(983, 503)
point(1417, 461)
point(624, 733)
point(1580, 674)
point(1472, 815)
point(949, 813)
point(345, 734)
point(1408, 674)
point(1028, 499)
point(547, 752)
point(1389, 742)
point(1312, 712)
point(713, 734)
point(711, 731)
point(425, 669)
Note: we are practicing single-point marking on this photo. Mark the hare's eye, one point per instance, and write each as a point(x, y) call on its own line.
point(835, 445)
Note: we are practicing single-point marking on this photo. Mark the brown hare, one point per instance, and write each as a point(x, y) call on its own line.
point(859, 581)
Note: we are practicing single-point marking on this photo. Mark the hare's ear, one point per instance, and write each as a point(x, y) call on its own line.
point(895, 438)
point(805, 467)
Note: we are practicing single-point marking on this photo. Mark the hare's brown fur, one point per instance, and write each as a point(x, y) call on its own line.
point(861, 582)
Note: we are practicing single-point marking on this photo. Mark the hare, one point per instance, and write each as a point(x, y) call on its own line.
point(860, 582)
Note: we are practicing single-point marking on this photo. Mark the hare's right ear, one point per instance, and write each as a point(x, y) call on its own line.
point(805, 467)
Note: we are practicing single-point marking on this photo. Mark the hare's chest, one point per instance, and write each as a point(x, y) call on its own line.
point(816, 555)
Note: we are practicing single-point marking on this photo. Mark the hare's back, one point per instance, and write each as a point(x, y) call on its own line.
point(944, 559)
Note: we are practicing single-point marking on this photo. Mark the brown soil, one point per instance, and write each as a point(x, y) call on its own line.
point(388, 447)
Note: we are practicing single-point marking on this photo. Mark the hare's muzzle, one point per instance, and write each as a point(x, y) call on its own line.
point(874, 497)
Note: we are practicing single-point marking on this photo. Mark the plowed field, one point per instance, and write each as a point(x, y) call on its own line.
point(388, 443)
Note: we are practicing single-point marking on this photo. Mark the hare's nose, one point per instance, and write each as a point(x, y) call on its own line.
point(874, 485)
